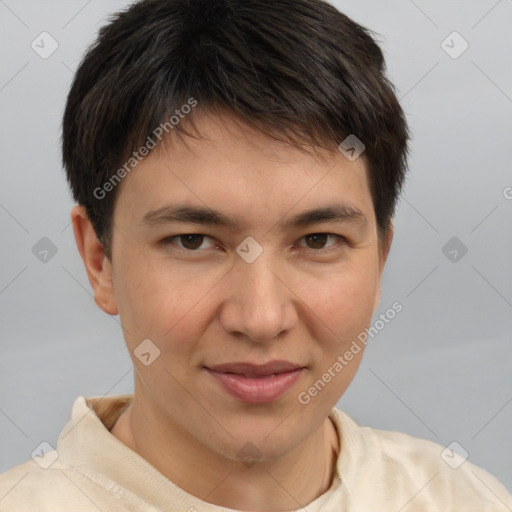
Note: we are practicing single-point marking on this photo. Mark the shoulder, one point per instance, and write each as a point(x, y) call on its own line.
point(404, 469)
point(56, 488)
point(71, 478)
point(21, 485)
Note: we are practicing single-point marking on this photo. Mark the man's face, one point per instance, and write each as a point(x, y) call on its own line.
point(304, 299)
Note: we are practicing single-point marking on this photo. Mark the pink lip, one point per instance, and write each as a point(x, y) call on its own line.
point(256, 384)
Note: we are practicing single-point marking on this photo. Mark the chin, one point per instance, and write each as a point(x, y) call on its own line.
point(260, 444)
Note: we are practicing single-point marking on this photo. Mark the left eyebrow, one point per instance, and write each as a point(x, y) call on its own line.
point(331, 213)
point(340, 213)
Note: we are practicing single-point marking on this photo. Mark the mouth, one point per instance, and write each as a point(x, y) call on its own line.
point(256, 384)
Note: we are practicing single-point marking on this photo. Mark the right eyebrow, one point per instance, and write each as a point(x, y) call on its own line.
point(339, 213)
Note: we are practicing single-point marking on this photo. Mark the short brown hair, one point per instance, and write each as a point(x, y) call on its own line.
point(297, 67)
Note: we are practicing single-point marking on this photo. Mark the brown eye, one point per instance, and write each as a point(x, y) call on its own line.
point(317, 241)
point(192, 241)
point(189, 241)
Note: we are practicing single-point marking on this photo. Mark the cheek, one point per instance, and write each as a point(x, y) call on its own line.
point(161, 303)
point(341, 309)
point(164, 304)
point(342, 302)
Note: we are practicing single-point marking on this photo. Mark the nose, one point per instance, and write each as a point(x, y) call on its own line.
point(259, 305)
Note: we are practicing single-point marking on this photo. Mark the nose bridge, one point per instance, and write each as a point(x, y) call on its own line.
point(259, 303)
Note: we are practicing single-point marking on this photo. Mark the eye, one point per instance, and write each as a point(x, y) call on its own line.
point(190, 241)
point(317, 241)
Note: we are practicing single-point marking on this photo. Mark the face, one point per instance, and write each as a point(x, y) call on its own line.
point(264, 288)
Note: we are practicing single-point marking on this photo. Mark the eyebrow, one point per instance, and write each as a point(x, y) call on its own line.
point(206, 216)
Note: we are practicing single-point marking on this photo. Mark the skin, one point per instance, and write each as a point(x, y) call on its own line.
point(299, 301)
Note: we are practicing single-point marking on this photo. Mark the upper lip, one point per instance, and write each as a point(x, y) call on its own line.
point(255, 370)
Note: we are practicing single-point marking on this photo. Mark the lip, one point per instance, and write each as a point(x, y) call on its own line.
point(256, 384)
point(255, 370)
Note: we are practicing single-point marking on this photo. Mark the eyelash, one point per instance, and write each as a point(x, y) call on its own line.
point(170, 241)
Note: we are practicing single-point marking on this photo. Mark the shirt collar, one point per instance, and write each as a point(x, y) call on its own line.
point(87, 445)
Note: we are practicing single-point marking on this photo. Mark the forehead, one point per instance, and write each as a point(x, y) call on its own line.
point(234, 167)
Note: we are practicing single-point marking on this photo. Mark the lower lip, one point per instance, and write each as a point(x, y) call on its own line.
point(257, 390)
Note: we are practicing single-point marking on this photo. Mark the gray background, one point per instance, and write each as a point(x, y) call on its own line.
point(440, 370)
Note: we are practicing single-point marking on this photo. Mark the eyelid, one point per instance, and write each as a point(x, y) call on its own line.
point(170, 239)
point(341, 239)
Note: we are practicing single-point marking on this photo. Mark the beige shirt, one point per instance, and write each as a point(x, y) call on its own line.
point(376, 471)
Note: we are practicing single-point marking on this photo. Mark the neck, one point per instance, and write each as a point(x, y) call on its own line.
point(288, 483)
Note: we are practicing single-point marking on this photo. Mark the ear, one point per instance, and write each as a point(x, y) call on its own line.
point(97, 265)
point(383, 256)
